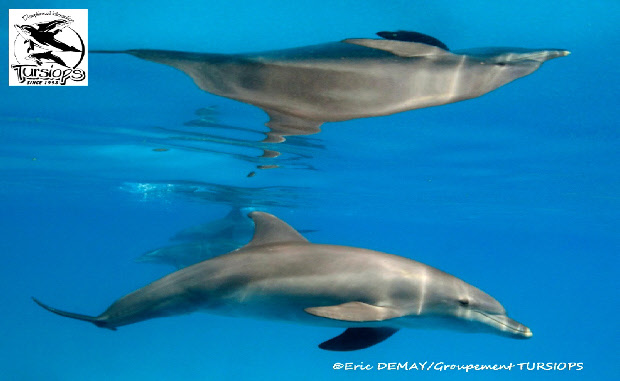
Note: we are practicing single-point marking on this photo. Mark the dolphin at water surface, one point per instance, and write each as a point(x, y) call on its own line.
point(301, 88)
point(280, 275)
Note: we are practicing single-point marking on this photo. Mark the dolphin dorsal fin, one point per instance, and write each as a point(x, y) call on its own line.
point(399, 48)
point(270, 229)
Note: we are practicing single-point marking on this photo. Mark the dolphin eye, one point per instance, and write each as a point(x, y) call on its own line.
point(464, 302)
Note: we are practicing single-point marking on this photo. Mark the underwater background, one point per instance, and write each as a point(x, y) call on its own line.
point(515, 192)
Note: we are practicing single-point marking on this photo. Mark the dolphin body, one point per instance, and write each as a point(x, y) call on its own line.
point(301, 88)
point(280, 275)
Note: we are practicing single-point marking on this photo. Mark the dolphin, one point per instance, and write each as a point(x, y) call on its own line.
point(44, 35)
point(280, 275)
point(39, 57)
point(302, 88)
point(205, 241)
point(189, 253)
point(234, 226)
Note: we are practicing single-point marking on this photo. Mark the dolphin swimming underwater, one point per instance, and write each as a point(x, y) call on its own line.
point(301, 88)
point(206, 241)
point(234, 226)
point(280, 275)
point(189, 253)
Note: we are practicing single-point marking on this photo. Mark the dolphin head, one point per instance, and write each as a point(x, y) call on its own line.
point(490, 68)
point(483, 313)
point(486, 313)
point(463, 307)
point(152, 256)
point(25, 30)
point(513, 56)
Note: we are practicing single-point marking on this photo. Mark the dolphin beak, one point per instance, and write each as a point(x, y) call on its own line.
point(143, 259)
point(557, 53)
point(545, 55)
point(505, 324)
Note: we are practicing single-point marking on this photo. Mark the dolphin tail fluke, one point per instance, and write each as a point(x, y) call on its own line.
point(108, 51)
point(180, 60)
point(357, 338)
point(192, 64)
point(92, 319)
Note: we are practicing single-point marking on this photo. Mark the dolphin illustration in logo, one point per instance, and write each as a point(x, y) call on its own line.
point(44, 35)
point(302, 88)
point(280, 275)
point(39, 57)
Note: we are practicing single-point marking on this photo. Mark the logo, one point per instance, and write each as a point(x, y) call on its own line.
point(48, 47)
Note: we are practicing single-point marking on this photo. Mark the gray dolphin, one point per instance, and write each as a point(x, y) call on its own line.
point(301, 88)
point(189, 253)
point(206, 240)
point(280, 275)
point(234, 226)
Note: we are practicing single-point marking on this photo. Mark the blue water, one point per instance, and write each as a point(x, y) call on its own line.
point(516, 192)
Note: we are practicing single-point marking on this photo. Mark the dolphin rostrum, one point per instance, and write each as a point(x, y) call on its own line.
point(280, 275)
point(301, 88)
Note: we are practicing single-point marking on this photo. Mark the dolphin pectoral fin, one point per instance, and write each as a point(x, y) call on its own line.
point(355, 311)
point(399, 48)
point(284, 125)
point(353, 339)
point(92, 319)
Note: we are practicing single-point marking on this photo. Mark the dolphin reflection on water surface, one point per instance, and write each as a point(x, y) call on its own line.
point(302, 88)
